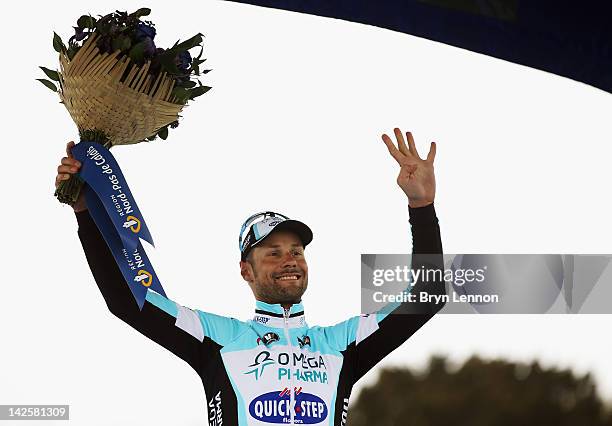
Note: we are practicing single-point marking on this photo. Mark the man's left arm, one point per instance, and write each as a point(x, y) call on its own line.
point(380, 333)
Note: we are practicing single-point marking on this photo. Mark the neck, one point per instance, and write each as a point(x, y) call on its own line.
point(285, 304)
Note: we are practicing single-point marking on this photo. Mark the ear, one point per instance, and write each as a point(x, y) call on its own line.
point(246, 270)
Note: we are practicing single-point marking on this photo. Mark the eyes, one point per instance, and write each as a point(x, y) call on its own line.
point(294, 252)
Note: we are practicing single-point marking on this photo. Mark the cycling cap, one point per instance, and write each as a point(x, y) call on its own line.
point(260, 225)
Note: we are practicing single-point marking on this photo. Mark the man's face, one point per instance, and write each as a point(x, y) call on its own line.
point(277, 271)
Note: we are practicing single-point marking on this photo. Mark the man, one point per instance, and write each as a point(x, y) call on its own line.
point(275, 368)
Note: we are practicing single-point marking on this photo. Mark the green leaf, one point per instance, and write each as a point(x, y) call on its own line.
point(195, 65)
point(58, 44)
point(137, 52)
point(186, 45)
point(198, 91)
point(194, 41)
point(86, 21)
point(205, 71)
point(143, 11)
point(48, 83)
point(163, 133)
point(186, 84)
point(168, 64)
point(200, 55)
point(122, 43)
point(179, 91)
point(53, 75)
point(182, 94)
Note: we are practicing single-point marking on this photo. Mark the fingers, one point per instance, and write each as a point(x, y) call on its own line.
point(395, 153)
point(70, 163)
point(62, 168)
point(407, 154)
point(61, 177)
point(64, 172)
point(432, 152)
point(69, 146)
point(412, 146)
point(400, 141)
point(68, 166)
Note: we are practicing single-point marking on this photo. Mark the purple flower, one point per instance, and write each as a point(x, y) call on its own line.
point(79, 34)
point(183, 60)
point(149, 47)
point(144, 31)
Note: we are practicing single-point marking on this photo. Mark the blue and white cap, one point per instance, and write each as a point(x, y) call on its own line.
point(260, 225)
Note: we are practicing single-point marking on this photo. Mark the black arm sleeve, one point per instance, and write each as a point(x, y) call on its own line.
point(408, 317)
point(152, 321)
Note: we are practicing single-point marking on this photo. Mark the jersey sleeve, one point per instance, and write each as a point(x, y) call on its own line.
point(190, 334)
point(367, 339)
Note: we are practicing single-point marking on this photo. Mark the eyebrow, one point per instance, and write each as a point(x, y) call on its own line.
point(278, 245)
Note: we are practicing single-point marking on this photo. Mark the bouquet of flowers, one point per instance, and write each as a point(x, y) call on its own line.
point(120, 88)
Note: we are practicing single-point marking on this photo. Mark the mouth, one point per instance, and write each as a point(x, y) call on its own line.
point(288, 277)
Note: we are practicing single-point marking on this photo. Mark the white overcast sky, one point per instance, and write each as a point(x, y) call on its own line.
point(293, 124)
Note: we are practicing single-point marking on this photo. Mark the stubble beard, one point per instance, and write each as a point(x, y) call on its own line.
point(272, 292)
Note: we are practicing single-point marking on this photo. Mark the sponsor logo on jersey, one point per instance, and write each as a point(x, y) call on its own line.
point(215, 414)
point(298, 366)
point(312, 376)
point(262, 360)
point(133, 223)
point(276, 407)
point(345, 404)
point(269, 338)
point(261, 319)
point(304, 341)
point(287, 391)
point(144, 277)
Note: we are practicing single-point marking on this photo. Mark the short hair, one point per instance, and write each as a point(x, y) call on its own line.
point(249, 258)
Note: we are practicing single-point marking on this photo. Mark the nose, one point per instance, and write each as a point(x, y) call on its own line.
point(289, 260)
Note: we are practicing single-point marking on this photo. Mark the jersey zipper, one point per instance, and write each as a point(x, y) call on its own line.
point(291, 390)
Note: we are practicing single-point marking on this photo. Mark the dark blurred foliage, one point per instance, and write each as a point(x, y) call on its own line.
point(480, 393)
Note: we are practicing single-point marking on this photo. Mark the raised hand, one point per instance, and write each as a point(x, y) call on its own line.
point(416, 176)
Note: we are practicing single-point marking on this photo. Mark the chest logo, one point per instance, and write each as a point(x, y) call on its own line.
point(275, 407)
point(304, 341)
point(268, 338)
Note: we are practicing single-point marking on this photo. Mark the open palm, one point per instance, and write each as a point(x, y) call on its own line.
point(416, 176)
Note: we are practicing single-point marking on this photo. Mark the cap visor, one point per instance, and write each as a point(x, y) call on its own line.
point(300, 229)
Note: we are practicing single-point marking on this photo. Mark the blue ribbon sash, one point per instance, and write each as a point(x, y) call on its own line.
point(117, 216)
